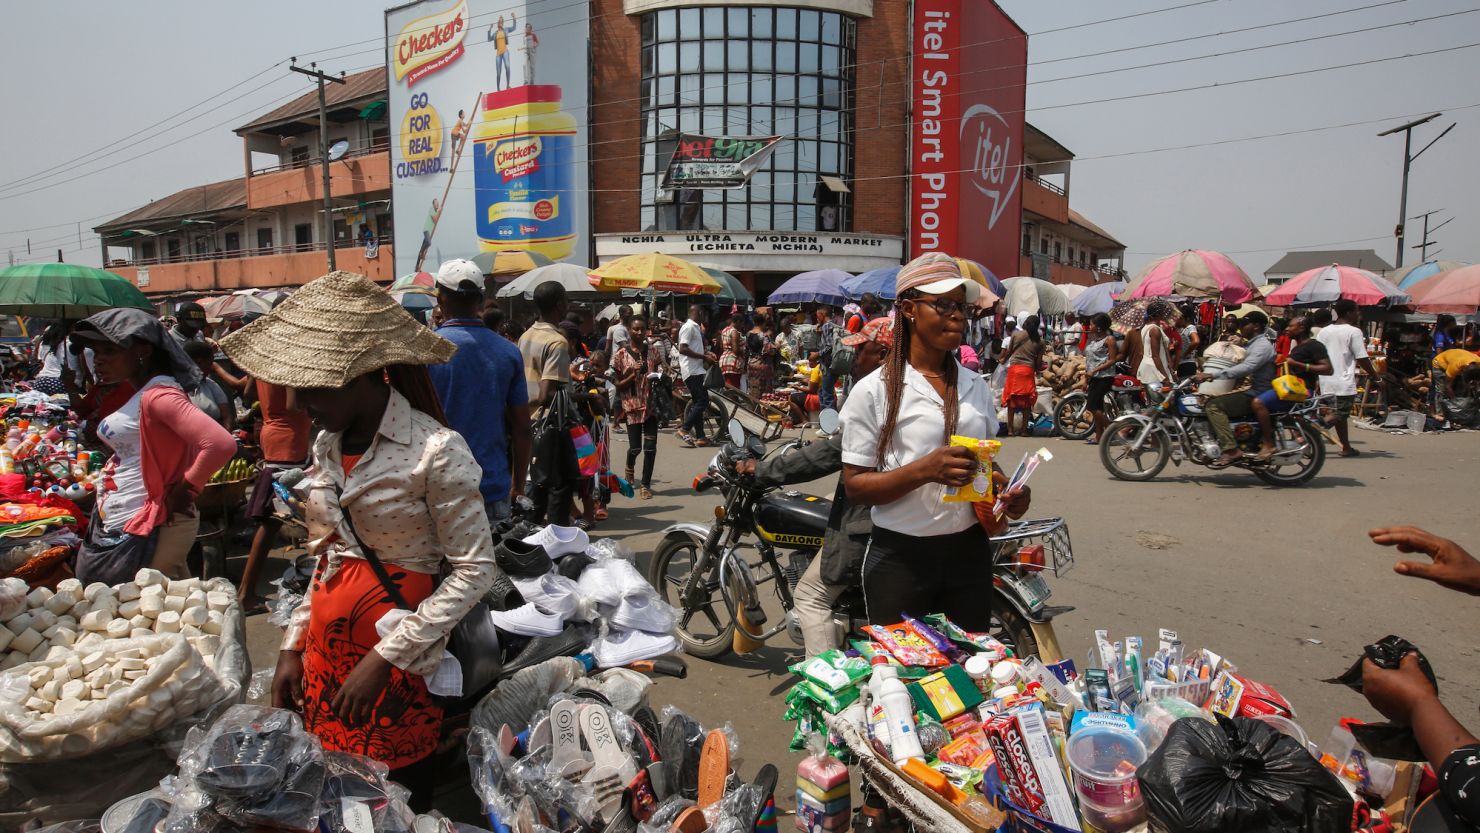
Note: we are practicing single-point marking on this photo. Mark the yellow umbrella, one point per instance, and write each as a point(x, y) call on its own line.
point(973, 270)
point(657, 272)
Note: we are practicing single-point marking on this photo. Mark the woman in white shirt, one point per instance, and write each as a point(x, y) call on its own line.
point(926, 555)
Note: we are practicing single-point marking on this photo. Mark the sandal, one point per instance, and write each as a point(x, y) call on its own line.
point(601, 513)
point(645, 493)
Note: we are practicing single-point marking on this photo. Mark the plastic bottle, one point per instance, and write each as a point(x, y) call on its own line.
point(979, 669)
point(1005, 674)
point(7, 461)
point(27, 445)
point(890, 693)
point(522, 172)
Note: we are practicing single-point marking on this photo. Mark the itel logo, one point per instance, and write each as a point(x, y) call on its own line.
point(984, 133)
point(430, 43)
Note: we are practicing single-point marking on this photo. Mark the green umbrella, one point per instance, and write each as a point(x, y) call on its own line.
point(732, 289)
point(65, 290)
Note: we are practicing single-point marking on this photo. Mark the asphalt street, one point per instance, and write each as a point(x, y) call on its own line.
point(1284, 582)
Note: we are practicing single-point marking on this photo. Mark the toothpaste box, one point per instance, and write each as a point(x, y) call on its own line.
point(999, 730)
point(1058, 803)
point(1235, 696)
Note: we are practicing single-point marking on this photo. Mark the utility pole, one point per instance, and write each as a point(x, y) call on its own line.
point(1408, 157)
point(322, 78)
point(1423, 246)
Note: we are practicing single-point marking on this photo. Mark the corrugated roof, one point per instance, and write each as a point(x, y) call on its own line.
point(361, 85)
point(1075, 218)
point(194, 201)
point(1293, 263)
point(1042, 146)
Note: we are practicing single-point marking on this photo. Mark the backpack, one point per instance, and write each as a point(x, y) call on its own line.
point(810, 339)
point(832, 336)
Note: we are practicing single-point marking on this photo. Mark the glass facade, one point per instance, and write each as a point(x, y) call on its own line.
point(741, 71)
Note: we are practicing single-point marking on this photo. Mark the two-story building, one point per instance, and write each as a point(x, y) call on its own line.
point(1059, 243)
point(266, 228)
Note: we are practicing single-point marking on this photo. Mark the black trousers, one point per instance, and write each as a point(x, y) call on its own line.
point(693, 421)
point(643, 437)
point(552, 504)
point(914, 574)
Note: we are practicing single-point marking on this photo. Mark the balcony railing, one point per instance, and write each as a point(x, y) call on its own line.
point(1046, 184)
point(256, 251)
point(308, 162)
point(1104, 268)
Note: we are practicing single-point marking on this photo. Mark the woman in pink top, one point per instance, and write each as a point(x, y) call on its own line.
point(165, 450)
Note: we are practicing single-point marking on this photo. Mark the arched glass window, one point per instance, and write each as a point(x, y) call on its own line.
point(740, 71)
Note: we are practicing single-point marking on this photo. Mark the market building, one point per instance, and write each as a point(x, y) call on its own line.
point(265, 229)
point(1059, 243)
point(1293, 263)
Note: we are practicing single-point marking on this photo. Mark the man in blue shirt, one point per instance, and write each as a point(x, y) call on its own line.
point(482, 389)
point(1258, 365)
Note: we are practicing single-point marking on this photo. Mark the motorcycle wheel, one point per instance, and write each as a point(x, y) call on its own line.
point(1301, 469)
point(1126, 463)
point(1072, 417)
point(1010, 628)
point(706, 631)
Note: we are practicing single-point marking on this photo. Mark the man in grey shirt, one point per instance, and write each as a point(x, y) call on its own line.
point(1258, 365)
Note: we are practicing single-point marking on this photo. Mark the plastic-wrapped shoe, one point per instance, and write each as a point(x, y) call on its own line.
point(522, 560)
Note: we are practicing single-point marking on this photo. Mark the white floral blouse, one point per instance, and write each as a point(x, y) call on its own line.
point(415, 499)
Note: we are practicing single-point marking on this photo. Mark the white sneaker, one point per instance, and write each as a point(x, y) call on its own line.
point(528, 620)
point(643, 612)
point(606, 581)
point(552, 592)
point(620, 648)
point(560, 541)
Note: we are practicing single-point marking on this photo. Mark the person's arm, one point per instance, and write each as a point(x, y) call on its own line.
point(1405, 696)
point(1110, 357)
point(553, 371)
point(627, 369)
point(1452, 566)
point(1322, 367)
point(1256, 355)
point(228, 381)
point(864, 483)
point(213, 445)
point(800, 465)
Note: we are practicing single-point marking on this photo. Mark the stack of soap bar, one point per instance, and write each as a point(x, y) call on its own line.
point(824, 795)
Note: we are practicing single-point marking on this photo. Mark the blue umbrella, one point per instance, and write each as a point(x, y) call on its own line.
point(824, 286)
point(1410, 275)
point(878, 281)
point(982, 274)
point(1098, 298)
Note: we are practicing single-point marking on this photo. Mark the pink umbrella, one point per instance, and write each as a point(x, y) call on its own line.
point(1193, 273)
point(1328, 284)
point(1456, 291)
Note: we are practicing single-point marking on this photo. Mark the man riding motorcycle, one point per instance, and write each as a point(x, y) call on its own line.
point(848, 527)
point(1258, 365)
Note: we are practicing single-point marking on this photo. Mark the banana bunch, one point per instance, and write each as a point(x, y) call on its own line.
point(237, 469)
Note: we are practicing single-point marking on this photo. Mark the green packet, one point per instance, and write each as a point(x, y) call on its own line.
point(829, 701)
point(832, 670)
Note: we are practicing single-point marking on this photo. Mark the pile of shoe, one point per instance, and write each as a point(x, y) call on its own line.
point(600, 763)
point(560, 581)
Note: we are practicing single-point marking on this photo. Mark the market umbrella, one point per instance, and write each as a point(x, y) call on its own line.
point(1098, 298)
point(506, 264)
point(235, 307)
point(65, 290)
point(878, 281)
point(821, 286)
point(415, 280)
point(1410, 275)
point(1456, 291)
point(418, 301)
point(1072, 291)
point(731, 289)
point(983, 276)
point(1033, 296)
point(1127, 316)
point(1193, 273)
point(568, 275)
point(273, 297)
point(658, 272)
point(1329, 284)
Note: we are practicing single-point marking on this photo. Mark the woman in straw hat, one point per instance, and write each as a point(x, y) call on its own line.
point(165, 450)
point(393, 492)
point(926, 555)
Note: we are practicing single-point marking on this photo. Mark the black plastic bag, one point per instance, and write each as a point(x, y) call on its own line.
point(1387, 740)
point(554, 455)
point(1243, 775)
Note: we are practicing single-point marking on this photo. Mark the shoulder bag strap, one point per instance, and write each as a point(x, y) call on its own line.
point(375, 564)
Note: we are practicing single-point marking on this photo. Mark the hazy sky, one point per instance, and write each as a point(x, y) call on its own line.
point(100, 80)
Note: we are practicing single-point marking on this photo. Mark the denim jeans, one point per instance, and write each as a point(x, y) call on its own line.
point(693, 421)
point(828, 395)
point(498, 510)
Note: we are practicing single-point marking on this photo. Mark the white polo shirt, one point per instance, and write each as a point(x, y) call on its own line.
point(918, 430)
point(691, 335)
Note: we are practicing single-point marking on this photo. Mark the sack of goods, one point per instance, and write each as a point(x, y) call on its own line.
point(960, 734)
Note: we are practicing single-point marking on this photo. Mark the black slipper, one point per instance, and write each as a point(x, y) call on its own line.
point(681, 745)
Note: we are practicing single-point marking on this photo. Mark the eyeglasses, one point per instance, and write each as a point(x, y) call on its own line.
point(946, 306)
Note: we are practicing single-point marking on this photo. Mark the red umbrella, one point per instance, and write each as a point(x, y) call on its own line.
point(1456, 291)
point(1328, 284)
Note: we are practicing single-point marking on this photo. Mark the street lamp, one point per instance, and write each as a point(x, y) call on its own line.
point(1408, 157)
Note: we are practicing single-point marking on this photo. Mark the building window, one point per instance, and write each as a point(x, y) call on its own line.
point(303, 236)
point(233, 241)
point(1058, 252)
point(299, 155)
point(380, 138)
point(172, 249)
point(1027, 241)
point(1043, 246)
point(202, 245)
point(739, 71)
point(148, 250)
point(264, 240)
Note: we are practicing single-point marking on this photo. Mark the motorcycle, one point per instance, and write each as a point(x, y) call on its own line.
point(766, 535)
point(1137, 446)
point(1073, 418)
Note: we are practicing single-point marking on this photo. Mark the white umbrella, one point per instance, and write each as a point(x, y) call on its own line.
point(1033, 296)
point(1072, 290)
point(569, 275)
point(609, 312)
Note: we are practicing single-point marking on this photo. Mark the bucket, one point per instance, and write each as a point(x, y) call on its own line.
point(1104, 762)
point(1286, 726)
point(1112, 819)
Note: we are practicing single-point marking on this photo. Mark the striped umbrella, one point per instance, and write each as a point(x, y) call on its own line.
point(1410, 275)
point(1128, 316)
point(1456, 291)
point(1329, 284)
point(1193, 273)
point(983, 276)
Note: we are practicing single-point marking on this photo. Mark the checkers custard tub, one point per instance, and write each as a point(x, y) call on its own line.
point(524, 172)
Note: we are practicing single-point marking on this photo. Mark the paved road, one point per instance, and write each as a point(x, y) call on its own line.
point(1284, 582)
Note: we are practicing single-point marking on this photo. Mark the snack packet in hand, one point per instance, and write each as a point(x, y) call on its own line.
point(980, 487)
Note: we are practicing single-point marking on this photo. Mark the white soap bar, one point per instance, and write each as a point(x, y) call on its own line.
point(130, 653)
point(50, 690)
point(74, 667)
point(195, 616)
point(38, 676)
point(81, 609)
point(36, 704)
point(183, 586)
point(5, 638)
point(129, 609)
point(60, 674)
point(19, 623)
point(87, 641)
point(39, 653)
point(38, 597)
point(150, 578)
point(56, 655)
point(70, 585)
point(140, 621)
point(174, 604)
point(66, 707)
point(106, 601)
point(134, 675)
point(92, 662)
point(26, 641)
point(97, 588)
point(214, 622)
point(41, 619)
point(151, 605)
point(191, 632)
point(61, 602)
point(67, 620)
point(168, 622)
point(129, 592)
point(129, 663)
point(97, 620)
point(73, 689)
point(64, 636)
point(118, 628)
point(218, 600)
point(140, 633)
point(196, 598)
point(208, 645)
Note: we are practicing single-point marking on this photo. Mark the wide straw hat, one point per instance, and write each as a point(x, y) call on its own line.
point(331, 331)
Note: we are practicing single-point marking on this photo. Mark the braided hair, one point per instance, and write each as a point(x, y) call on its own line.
point(893, 378)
